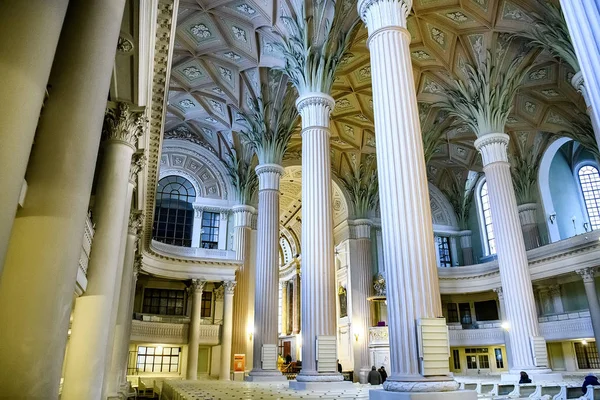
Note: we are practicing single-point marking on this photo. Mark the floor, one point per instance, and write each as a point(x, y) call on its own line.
point(216, 390)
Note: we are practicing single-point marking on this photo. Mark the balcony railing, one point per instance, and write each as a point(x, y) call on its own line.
point(192, 252)
point(172, 333)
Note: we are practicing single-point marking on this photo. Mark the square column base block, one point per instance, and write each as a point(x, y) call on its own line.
point(381, 394)
point(266, 378)
point(321, 386)
point(239, 376)
point(535, 376)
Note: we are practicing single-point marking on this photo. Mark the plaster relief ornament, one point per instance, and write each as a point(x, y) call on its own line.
point(226, 74)
point(218, 91)
point(201, 31)
point(457, 17)
point(239, 34)
point(246, 9)
point(232, 56)
point(124, 45)
point(211, 120)
point(192, 72)
point(550, 93)
point(539, 74)
point(530, 107)
point(438, 36)
point(342, 104)
point(379, 285)
point(186, 103)
point(215, 105)
point(421, 55)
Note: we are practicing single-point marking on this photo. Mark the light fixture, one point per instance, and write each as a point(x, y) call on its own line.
point(356, 334)
point(250, 332)
point(505, 325)
point(552, 217)
point(584, 342)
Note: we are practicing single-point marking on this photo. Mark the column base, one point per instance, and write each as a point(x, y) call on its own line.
point(363, 375)
point(455, 395)
point(265, 376)
point(320, 386)
point(535, 374)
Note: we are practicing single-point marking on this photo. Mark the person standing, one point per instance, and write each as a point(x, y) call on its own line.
point(383, 374)
point(374, 377)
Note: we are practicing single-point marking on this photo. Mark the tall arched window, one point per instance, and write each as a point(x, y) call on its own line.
point(486, 219)
point(589, 179)
point(174, 213)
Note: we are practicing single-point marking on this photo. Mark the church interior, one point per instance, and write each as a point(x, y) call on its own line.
point(243, 199)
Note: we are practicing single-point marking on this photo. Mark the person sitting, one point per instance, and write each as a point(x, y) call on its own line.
point(374, 377)
point(383, 374)
point(589, 380)
point(288, 358)
point(524, 378)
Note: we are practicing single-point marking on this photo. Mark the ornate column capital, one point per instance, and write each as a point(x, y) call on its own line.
point(136, 221)
point(381, 14)
point(229, 287)
point(137, 164)
point(197, 286)
point(219, 293)
point(493, 148)
point(242, 215)
point(587, 274)
point(579, 84)
point(137, 265)
point(122, 125)
point(269, 176)
point(362, 228)
point(499, 292)
point(315, 109)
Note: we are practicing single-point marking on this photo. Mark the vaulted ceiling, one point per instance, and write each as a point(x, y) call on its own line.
point(221, 44)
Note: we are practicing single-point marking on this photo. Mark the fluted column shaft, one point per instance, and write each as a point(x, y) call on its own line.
point(59, 174)
point(318, 290)
point(589, 282)
point(91, 328)
point(284, 308)
point(242, 218)
point(528, 220)
point(226, 334)
point(408, 247)
point(266, 300)
point(360, 272)
point(196, 288)
point(583, 20)
point(466, 247)
point(512, 258)
point(29, 32)
point(296, 306)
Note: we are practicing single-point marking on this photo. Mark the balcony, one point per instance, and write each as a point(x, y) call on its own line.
point(566, 326)
point(172, 333)
point(192, 252)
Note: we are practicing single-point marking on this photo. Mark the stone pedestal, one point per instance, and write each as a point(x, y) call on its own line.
point(318, 288)
point(242, 325)
point(91, 328)
point(194, 331)
point(408, 248)
point(266, 301)
point(60, 173)
point(29, 32)
point(519, 302)
point(227, 331)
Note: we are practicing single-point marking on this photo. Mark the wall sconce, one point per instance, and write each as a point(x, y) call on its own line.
point(586, 226)
point(250, 333)
point(552, 218)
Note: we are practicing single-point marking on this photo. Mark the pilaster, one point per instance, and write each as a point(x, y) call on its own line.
point(195, 292)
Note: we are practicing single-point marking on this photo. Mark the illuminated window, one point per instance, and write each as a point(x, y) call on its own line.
point(443, 243)
point(589, 179)
point(174, 214)
point(210, 230)
point(164, 301)
point(158, 359)
point(488, 228)
point(206, 306)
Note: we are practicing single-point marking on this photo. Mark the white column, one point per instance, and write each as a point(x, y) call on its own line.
point(266, 300)
point(361, 279)
point(502, 308)
point(194, 330)
point(59, 173)
point(512, 259)
point(466, 247)
point(90, 331)
point(589, 282)
point(197, 227)
point(408, 247)
point(583, 20)
point(528, 219)
point(284, 308)
point(114, 380)
point(318, 289)
point(223, 231)
point(29, 32)
point(226, 332)
point(296, 306)
point(242, 325)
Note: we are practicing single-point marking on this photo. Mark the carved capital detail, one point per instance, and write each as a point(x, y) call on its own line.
point(499, 292)
point(197, 286)
point(229, 287)
point(123, 125)
point(137, 164)
point(493, 148)
point(377, 14)
point(315, 109)
point(587, 274)
point(136, 221)
point(137, 265)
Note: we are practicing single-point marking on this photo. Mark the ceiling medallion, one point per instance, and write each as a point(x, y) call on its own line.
point(239, 34)
point(232, 56)
point(457, 17)
point(438, 36)
point(246, 9)
point(187, 103)
point(192, 72)
point(530, 107)
point(200, 31)
point(226, 74)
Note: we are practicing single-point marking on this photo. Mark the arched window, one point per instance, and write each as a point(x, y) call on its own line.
point(486, 219)
point(589, 179)
point(174, 213)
